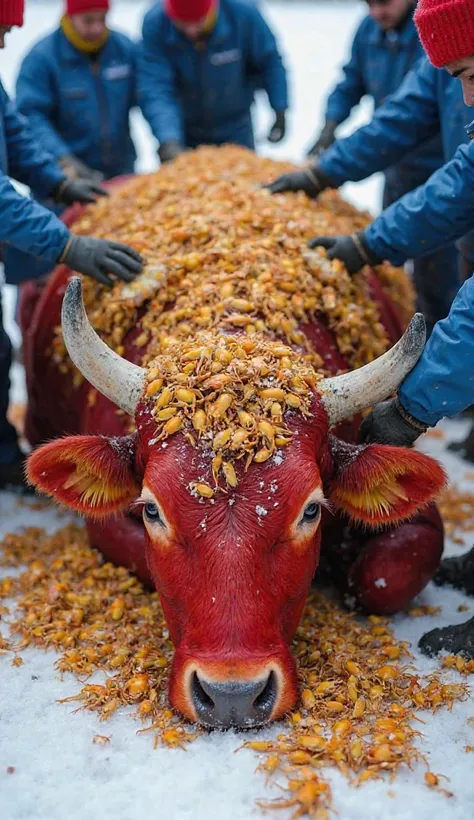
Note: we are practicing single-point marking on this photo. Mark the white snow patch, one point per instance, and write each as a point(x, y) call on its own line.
point(380, 583)
point(261, 511)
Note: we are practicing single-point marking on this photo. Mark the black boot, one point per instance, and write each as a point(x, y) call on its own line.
point(12, 477)
point(457, 640)
point(464, 448)
point(458, 572)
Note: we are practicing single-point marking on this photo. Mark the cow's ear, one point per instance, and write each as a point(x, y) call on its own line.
point(378, 485)
point(89, 474)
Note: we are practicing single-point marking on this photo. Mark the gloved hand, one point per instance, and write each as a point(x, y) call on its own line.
point(310, 180)
point(352, 250)
point(74, 168)
point(278, 129)
point(99, 257)
point(83, 191)
point(389, 423)
point(169, 150)
point(325, 139)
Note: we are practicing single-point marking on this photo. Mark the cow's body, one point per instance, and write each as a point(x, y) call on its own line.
point(381, 571)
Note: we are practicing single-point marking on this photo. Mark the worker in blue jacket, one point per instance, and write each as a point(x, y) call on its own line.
point(442, 383)
point(27, 227)
point(77, 88)
point(199, 65)
point(411, 134)
point(385, 49)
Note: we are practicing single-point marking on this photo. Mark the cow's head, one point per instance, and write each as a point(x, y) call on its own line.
point(233, 571)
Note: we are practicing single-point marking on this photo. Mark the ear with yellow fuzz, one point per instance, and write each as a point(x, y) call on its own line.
point(378, 485)
point(89, 474)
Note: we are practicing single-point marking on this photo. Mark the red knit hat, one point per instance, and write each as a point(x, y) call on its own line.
point(188, 11)
point(446, 29)
point(11, 12)
point(83, 6)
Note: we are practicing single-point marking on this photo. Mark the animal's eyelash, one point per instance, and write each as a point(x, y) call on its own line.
point(138, 504)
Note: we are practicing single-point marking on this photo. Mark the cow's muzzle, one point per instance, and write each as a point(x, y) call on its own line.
point(236, 703)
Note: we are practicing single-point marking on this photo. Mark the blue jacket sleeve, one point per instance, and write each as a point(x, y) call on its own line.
point(429, 217)
point(351, 89)
point(28, 226)
point(156, 87)
point(28, 162)
point(404, 121)
point(267, 59)
point(442, 383)
point(35, 98)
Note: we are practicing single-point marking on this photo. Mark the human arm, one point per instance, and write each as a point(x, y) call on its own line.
point(156, 88)
point(29, 227)
point(431, 216)
point(405, 120)
point(441, 384)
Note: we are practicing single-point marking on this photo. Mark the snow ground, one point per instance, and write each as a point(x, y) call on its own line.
point(59, 773)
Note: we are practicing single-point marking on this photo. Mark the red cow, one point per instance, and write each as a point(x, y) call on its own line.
point(233, 572)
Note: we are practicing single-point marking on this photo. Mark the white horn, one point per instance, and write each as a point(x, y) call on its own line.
point(348, 394)
point(121, 381)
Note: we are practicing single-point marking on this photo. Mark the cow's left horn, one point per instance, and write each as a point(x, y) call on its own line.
point(121, 381)
point(348, 394)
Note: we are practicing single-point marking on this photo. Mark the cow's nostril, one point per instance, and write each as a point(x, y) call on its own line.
point(241, 704)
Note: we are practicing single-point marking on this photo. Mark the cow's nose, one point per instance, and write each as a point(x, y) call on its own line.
point(241, 704)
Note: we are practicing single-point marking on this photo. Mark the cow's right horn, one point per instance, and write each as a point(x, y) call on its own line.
point(121, 381)
point(349, 393)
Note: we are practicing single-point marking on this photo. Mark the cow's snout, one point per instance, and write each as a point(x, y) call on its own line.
point(241, 704)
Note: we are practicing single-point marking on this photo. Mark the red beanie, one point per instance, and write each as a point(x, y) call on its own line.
point(446, 29)
point(11, 12)
point(83, 6)
point(188, 11)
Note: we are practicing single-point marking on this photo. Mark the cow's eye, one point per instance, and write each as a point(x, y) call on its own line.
point(152, 513)
point(311, 513)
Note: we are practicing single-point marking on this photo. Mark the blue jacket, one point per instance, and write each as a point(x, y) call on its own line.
point(204, 95)
point(378, 65)
point(442, 383)
point(26, 226)
point(81, 106)
point(428, 102)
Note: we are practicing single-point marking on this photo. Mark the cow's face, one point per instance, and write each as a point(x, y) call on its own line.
point(233, 571)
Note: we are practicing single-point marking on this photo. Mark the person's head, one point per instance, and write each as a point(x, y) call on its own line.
point(11, 14)
point(192, 17)
point(446, 29)
point(389, 13)
point(89, 18)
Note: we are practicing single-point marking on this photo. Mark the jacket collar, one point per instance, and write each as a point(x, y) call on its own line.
point(72, 56)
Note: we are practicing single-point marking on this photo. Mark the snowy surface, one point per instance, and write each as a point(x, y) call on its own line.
point(59, 774)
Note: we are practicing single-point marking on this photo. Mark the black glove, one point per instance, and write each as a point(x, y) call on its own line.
point(352, 250)
point(325, 139)
point(99, 257)
point(310, 180)
point(278, 129)
point(83, 191)
point(74, 168)
point(389, 423)
point(169, 150)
